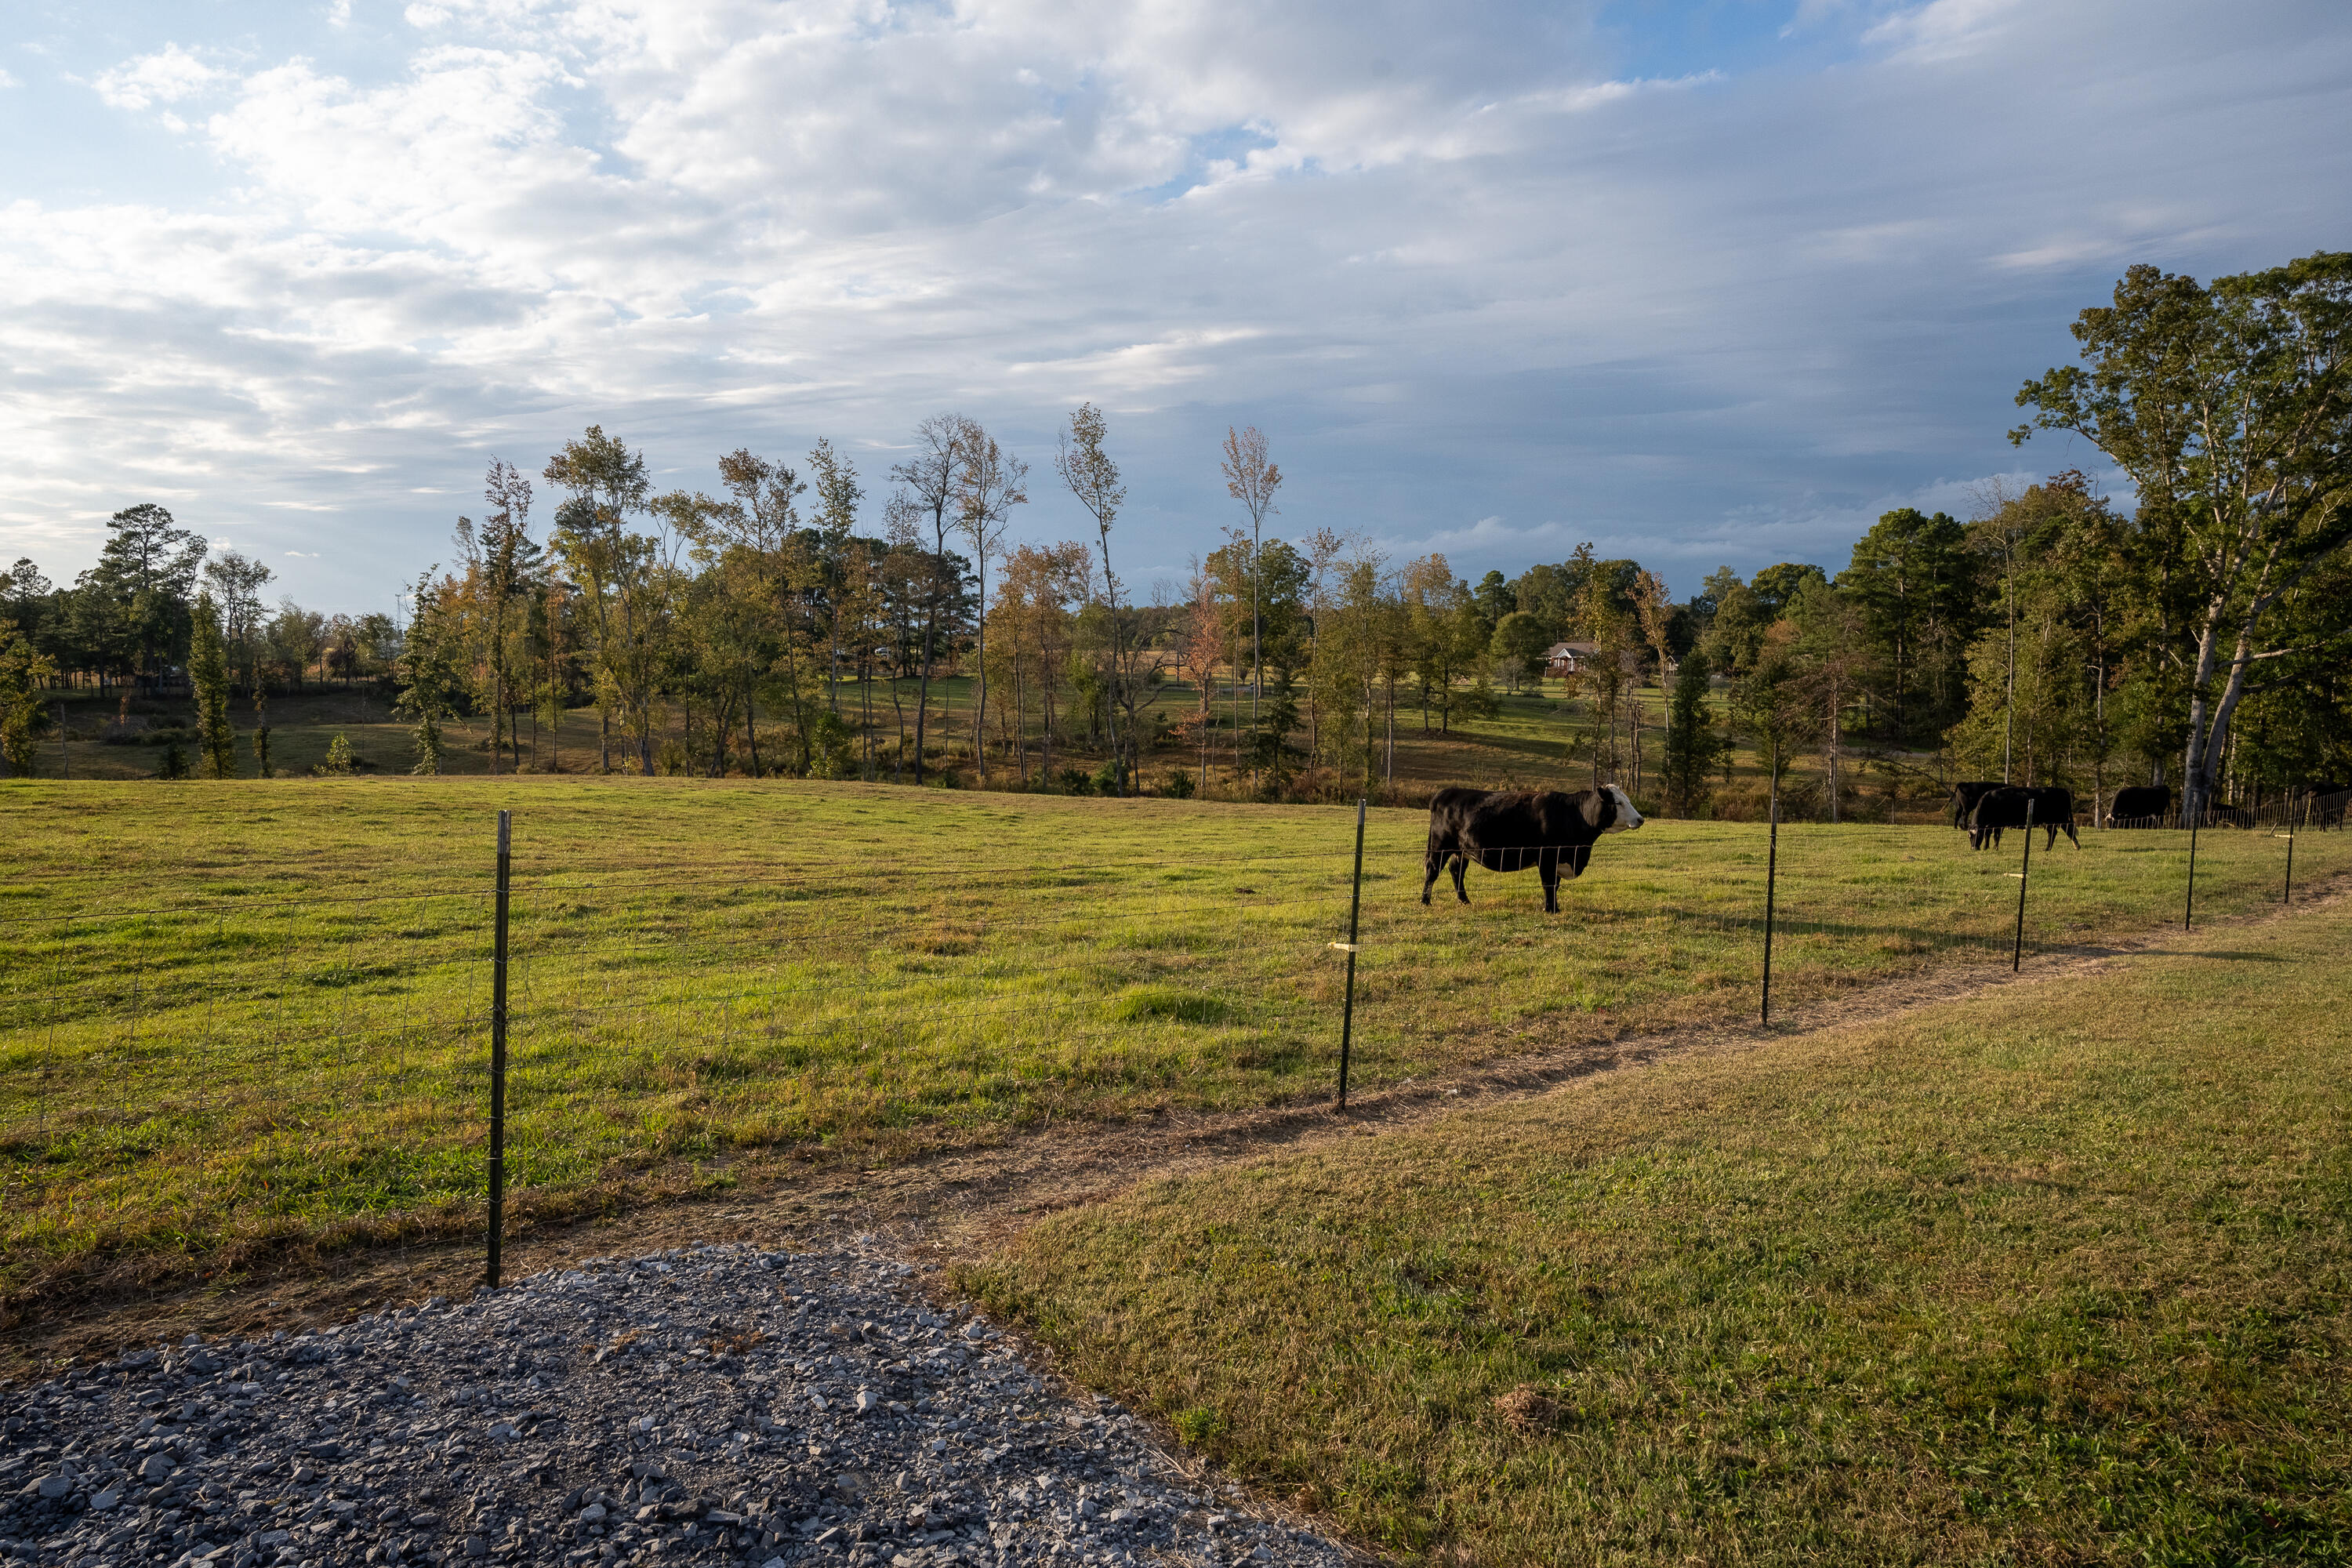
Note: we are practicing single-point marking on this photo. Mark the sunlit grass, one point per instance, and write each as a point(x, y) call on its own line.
point(234, 1009)
point(2056, 1274)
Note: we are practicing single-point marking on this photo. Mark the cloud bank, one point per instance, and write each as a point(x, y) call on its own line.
point(1494, 279)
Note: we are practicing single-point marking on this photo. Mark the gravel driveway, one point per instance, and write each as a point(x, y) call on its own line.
point(714, 1405)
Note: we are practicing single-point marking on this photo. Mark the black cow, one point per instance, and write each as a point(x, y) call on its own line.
point(2054, 810)
point(1512, 830)
point(1966, 796)
point(2142, 806)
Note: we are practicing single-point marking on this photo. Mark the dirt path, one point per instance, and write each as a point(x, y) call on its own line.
point(965, 1203)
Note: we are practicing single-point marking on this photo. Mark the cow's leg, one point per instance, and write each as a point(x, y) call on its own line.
point(1548, 868)
point(1461, 865)
point(1431, 864)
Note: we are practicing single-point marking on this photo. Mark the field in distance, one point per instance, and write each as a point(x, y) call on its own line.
point(2054, 1274)
point(235, 1014)
point(1533, 740)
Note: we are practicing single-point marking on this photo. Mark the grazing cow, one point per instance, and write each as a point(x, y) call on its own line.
point(2142, 806)
point(1966, 796)
point(2054, 810)
point(1512, 830)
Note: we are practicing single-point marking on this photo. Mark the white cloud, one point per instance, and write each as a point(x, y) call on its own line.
point(167, 76)
point(1945, 29)
point(1460, 265)
point(7, 81)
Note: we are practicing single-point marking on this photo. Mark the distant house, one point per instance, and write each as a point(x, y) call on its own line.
point(1563, 659)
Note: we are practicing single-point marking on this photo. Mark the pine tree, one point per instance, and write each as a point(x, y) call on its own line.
point(1693, 744)
point(208, 673)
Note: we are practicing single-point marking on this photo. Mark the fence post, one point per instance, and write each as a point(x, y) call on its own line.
point(2188, 907)
point(1772, 873)
point(2287, 898)
point(1355, 907)
point(499, 1058)
point(2016, 948)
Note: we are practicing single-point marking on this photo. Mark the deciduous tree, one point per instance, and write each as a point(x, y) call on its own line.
point(2230, 409)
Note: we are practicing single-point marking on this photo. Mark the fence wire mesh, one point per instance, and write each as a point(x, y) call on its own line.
point(180, 1069)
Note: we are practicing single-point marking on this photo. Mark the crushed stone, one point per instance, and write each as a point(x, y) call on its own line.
point(711, 1405)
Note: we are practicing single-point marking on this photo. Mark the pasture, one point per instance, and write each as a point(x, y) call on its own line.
point(238, 1014)
point(2060, 1273)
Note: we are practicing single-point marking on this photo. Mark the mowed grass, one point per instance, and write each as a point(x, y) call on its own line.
point(2057, 1274)
point(240, 1013)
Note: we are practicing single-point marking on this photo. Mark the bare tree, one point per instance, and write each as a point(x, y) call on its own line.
point(929, 478)
point(1093, 478)
point(990, 486)
point(1252, 478)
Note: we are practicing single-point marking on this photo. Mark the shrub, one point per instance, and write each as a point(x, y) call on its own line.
point(1073, 780)
point(339, 759)
point(1178, 785)
point(176, 762)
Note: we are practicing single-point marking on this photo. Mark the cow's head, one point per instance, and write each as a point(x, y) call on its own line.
point(1624, 818)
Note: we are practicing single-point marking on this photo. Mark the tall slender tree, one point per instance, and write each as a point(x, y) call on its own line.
point(1251, 479)
point(1086, 466)
point(837, 493)
point(607, 483)
point(208, 675)
point(929, 480)
point(991, 483)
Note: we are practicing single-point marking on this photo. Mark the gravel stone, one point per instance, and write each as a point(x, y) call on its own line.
point(713, 1406)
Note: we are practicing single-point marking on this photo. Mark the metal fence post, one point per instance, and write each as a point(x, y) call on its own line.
point(499, 1058)
point(1772, 875)
point(2016, 948)
point(2287, 897)
point(1355, 908)
point(2188, 905)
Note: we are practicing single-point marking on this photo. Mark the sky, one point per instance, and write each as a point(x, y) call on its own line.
point(1704, 284)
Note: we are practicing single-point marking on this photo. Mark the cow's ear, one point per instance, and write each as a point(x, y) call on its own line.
point(1593, 801)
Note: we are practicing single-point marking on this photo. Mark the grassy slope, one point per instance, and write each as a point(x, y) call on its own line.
point(237, 1010)
point(2057, 1274)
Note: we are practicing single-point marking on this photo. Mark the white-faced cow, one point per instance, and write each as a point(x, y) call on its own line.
point(1515, 830)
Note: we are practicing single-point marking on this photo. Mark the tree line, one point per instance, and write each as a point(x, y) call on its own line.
point(2196, 638)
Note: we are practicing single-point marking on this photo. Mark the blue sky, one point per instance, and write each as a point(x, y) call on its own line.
point(1703, 283)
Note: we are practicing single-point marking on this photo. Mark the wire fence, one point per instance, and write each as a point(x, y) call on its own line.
point(176, 1069)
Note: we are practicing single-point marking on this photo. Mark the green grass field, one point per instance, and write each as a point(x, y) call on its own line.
point(2060, 1275)
point(1526, 743)
point(231, 1013)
